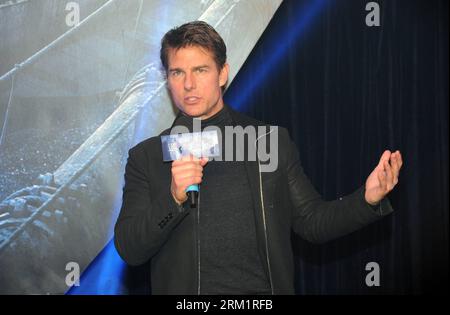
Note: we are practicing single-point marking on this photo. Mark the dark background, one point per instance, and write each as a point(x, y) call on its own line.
point(346, 92)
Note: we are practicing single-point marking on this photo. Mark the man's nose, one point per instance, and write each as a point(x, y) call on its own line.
point(189, 82)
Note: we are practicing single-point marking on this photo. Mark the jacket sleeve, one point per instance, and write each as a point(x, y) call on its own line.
point(145, 221)
point(319, 221)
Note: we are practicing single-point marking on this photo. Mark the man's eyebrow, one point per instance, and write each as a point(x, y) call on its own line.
point(194, 68)
point(199, 67)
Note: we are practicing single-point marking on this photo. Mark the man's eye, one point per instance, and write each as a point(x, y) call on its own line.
point(176, 73)
point(201, 70)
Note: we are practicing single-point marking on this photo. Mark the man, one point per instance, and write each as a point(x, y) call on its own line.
point(237, 239)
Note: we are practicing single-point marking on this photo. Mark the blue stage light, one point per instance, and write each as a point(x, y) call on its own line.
point(280, 40)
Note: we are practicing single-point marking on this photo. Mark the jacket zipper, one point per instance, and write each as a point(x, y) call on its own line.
point(264, 214)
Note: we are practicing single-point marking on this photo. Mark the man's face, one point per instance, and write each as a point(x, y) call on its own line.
point(195, 82)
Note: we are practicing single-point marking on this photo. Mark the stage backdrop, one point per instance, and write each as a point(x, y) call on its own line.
point(75, 95)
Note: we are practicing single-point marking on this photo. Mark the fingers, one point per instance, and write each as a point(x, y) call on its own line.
point(186, 171)
point(396, 164)
point(203, 161)
point(186, 158)
point(390, 165)
point(183, 183)
point(186, 166)
point(400, 158)
point(382, 179)
point(182, 172)
point(384, 157)
point(191, 158)
point(389, 175)
point(187, 176)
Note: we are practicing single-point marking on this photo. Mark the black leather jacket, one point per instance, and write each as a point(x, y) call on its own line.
point(152, 226)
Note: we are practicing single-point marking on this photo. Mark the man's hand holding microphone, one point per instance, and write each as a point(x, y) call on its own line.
point(186, 172)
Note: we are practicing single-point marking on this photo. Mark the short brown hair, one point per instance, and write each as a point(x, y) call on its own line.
point(196, 33)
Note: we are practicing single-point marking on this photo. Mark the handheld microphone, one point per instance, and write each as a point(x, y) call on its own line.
point(198, 144)
point(192, 193)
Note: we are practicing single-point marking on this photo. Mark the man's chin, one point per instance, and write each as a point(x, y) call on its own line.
point(192, 112)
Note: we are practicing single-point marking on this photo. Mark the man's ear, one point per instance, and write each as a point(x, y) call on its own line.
point(223, 75)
